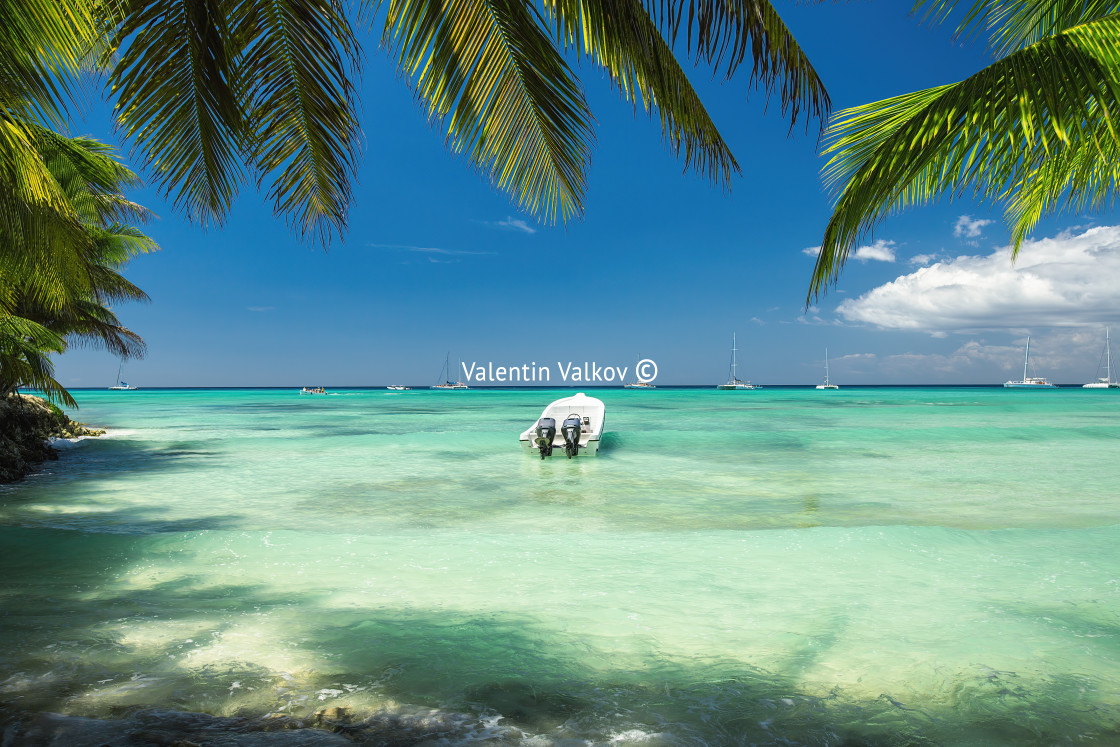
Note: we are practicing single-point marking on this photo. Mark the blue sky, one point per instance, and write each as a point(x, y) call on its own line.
point(663, 265)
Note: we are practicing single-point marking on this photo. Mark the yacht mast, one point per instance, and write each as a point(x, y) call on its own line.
point(826, 366)
point(1107, 357)
point(734, 376)
point(1026, 357)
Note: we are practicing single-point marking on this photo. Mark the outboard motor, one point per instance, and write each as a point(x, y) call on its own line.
point(571, 430)
point(546, 431)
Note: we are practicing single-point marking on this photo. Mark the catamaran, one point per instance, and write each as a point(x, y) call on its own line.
point(582, 421)
point(122, 386)
point(445, 375)
point(639, 382)
point(1029, 382)
point(733, 381)
point(827, 384)
point(1106, 382)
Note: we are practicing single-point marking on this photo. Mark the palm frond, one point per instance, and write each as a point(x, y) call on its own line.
point(295, 59)
point(626, 43)
point(175, 99)
point(43, 52)
point(489, 73)
point(720, 33)
point(25, 349)
point(1014, 24)
point(1047, 109)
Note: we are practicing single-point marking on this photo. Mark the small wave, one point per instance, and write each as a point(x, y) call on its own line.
point(69, 443)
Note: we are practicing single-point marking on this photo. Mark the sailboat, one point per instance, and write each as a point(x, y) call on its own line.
point(122, 386)
point(639, 382)
point(447, 382)
point(1106, 382)
point(733, 381)
point(1032, 382)
point(827, 384)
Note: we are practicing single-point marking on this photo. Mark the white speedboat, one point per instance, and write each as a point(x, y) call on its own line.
point(573, 424)
point(733, 381)
point(313, 390)
point(827, 384)
point(1029, 382)
point(1106, 381)
point(398, 387)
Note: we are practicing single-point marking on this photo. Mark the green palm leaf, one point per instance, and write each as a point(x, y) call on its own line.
point(625, 42)
point(721, 32)
point(293, 64)
point(1033, 130)
point(1014, 24)
point(487, 69)
point(175, 99)
point(44, 48)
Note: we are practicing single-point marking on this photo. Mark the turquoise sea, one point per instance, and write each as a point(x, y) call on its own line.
point(782, 566)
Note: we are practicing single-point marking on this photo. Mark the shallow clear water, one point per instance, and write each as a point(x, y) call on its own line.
point(778, 566)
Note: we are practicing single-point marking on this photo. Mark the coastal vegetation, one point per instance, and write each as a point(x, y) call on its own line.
point(214, 92)
point(1036, 131)
point(61, 262)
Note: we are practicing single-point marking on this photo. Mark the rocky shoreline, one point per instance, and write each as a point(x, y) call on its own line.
point(329, 727)
point(27, 426)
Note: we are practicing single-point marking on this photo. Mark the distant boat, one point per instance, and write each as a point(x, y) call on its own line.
point(827, 384)
point(582, 422)
point(313, 390)
point(1029, 382)
point(122, 386)
point(639, 383)
point(1106, 382)
point(398, 387)
point(445, 375)
point(733, 381)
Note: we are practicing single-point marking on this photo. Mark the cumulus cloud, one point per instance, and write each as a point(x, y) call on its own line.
point(968, 228)
point(924, 260)
point(881, 251)
point(1061, 281)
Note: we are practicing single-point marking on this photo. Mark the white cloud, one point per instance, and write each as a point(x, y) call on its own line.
point(881, 251)
point(516, 224)
point(1061, 281)
point(924, 260)
point(428, 249)
point(968, 228)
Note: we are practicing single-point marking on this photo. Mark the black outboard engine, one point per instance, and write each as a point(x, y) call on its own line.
point(571, 429)
point(546, 431)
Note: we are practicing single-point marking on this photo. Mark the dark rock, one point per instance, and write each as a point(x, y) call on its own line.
point(27, 424)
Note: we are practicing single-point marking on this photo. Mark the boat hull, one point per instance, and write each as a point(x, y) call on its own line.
point(727, 387)
point(1100, 385)
point(1027, 385)
point(590, 447)
point(578, 404)
point(828, 386)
